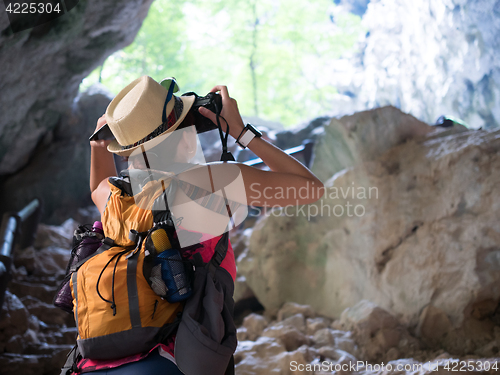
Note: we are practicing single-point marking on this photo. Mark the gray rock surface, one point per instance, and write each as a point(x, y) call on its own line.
point(44, 127)
point(429, 58)
point(43, 67)
point(413, 225)
point(59, 170)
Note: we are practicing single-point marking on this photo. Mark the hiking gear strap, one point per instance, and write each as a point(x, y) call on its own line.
point(75, 297)
point(70, 366)
point(133, 295)
point(219, 254)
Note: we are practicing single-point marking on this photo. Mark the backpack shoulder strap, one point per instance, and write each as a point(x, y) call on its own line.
point(219, 253)
point(123, 183)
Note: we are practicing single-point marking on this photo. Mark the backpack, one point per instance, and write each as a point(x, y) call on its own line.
point(117, 306)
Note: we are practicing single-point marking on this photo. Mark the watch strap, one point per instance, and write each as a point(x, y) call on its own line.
point(247, 134)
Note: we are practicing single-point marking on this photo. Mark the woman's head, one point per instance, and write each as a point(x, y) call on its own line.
point(144, 114)
point(179, 146)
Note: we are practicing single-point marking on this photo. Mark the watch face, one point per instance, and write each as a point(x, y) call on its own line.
point(254, 130)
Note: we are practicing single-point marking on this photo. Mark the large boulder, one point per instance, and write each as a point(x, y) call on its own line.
point(44, 131)
point(416, 224)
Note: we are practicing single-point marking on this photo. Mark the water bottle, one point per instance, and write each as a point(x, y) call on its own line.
point(85, 243)
point(168, 276)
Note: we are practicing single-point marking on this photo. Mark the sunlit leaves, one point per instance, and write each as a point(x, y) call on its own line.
point(275, 55)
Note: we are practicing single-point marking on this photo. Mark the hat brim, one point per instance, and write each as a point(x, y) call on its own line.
point(116, 148)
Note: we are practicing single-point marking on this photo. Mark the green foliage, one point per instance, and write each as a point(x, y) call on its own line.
point(274, 55)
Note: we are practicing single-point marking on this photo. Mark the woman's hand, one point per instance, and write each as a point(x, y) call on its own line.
point(100, 142)
point(285, 171)
point(230, 113)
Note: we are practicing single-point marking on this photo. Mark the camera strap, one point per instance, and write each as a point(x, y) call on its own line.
point(226, 155)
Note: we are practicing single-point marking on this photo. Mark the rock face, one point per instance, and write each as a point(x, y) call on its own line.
point(59, 170)
point(42, 127)
point(43, 67)
point(412, 225)
point(429, 58)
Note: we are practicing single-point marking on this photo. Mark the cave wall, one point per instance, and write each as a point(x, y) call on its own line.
point(41, 72)
point(428, 58)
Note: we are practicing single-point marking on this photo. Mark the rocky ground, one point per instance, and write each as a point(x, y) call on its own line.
point(365, 340)
point(35, 336)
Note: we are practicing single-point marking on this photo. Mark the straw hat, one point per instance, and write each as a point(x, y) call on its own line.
point(134, 116)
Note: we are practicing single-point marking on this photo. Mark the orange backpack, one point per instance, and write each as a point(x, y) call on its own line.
point(117, 313)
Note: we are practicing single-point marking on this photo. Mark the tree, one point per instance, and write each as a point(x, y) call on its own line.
point(275, 56)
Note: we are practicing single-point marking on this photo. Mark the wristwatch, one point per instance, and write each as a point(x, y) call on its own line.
point(248, 133)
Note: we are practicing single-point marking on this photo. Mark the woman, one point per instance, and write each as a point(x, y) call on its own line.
point(133, 119)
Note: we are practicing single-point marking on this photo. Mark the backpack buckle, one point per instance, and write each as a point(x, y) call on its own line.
point(133, 236)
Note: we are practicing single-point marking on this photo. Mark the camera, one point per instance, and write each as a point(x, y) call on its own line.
point(211, 101)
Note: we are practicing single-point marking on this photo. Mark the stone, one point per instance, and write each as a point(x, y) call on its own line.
point(489, 350)
point(345, 362)
point(392, 354)
point(347, 345)
point(434, 324)
point(55, 235)
point(49, 261)
point(363, 136)
point(254, 325)
point(241, 334)
point(296, 321)
point(16, 344)
point(388, 338)
point(329, 352)
point(39, 291)
point(30, 337)
point(323, 337)
point(240, 241)
point(49, 314)
point(33, 323)
point(289, 336)
point(315, 324)
point(257, 357)
point(300, 356)
point(366, 319)
point(292, 308)
point(15, 317)
point(241, 289)
point(30, 364)
point(375, 331)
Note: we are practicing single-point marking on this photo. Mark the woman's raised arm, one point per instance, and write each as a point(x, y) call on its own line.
point(102, 166)
point(288, 183)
